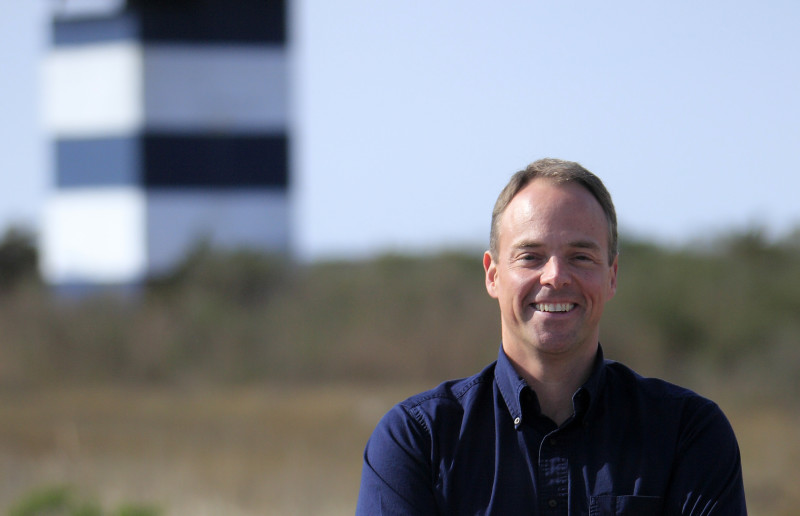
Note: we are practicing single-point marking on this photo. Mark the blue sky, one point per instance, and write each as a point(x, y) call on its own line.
point(409, 116)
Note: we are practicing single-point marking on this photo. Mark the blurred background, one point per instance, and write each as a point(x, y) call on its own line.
point(235, 233)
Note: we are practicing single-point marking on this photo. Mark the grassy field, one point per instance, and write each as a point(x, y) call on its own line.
point(242, 451)
point(264, 450)
point(168, 422)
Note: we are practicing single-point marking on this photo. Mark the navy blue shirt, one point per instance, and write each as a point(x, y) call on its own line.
point(480, 445)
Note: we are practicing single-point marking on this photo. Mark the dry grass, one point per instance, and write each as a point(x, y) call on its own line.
point(263, 450)
point(242, 451)
point(768, 438)
point(708, 318)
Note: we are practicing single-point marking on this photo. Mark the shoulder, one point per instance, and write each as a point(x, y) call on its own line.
point(402, 455)
point(667, 401)
point(688, 431)
point(620, 377)
point(447, 402)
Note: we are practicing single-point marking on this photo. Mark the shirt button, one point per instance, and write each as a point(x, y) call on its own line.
point(552, 503)
point(517, 420)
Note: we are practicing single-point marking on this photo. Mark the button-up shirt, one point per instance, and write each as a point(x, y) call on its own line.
point(480, 445)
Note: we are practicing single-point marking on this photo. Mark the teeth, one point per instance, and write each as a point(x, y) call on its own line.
point(554, 307)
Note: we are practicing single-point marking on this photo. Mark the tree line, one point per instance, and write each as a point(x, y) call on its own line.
point(725, 308)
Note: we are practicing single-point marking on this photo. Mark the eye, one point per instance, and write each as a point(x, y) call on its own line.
point(529, 258)
point(584, 258)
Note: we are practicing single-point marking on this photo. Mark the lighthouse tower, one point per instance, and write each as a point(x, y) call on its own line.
point(169, 126)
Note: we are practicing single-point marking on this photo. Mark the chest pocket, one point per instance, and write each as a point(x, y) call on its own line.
point(609, 505)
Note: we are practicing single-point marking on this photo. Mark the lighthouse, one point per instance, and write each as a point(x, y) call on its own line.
point(169, 126)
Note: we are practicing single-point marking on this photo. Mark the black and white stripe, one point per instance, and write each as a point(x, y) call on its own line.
point(169, 122)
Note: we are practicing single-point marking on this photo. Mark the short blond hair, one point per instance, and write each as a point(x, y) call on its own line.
point(559, 172)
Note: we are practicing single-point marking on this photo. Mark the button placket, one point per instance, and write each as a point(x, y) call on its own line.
point(553, 475)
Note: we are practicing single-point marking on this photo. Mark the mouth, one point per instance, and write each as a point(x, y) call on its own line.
point(554, 307)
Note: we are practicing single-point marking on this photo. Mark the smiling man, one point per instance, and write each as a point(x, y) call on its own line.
point(551, 427)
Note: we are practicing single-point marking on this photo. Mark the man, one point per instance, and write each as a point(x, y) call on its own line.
point(551, 428)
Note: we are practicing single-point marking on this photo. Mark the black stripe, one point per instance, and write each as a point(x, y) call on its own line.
point(242, 21)
point(167, 161)
point(182, 21)
point(215, 161)
point(98, 162)
point(121, 27)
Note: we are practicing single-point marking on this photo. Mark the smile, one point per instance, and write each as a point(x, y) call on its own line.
point(554, 307)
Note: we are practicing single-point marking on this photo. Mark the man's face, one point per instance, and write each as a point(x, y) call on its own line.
point(551, 275)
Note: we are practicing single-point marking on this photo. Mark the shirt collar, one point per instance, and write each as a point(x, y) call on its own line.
point(512, 385)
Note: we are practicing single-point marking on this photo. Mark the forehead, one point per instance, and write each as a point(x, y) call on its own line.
point(545, 207)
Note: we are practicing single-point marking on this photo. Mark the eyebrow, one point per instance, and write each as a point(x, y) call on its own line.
point(585, 244)
point(578, 244)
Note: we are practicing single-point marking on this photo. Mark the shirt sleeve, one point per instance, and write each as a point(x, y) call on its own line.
point(707, 477)
point(397, 477)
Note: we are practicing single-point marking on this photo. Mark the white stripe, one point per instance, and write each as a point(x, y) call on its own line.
point(94, 90)
point(83, 8)
point(94, 235)
point(115, 89)
point(177, 220)
point(219, 88)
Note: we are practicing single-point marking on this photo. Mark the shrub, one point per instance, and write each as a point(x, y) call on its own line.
point(63, 501)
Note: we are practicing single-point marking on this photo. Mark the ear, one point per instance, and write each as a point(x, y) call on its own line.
point(491, 274)
point(613, 279)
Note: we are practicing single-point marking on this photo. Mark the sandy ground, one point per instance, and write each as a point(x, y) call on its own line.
point(263, 450)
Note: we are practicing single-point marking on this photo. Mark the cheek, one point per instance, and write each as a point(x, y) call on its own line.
point(604, 288)
point(520, 284)
point(597, 286)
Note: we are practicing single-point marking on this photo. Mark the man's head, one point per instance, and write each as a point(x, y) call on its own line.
point(553, 262)
point(558, 172)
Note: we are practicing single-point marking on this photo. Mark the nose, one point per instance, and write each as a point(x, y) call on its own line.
point(554, 273)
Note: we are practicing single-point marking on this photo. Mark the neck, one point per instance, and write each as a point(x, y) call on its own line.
point(554, 378)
